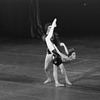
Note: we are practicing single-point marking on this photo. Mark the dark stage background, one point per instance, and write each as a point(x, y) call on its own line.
point(76, 18)
point(14, 18)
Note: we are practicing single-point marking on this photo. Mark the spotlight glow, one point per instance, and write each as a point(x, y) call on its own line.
point(84, 4)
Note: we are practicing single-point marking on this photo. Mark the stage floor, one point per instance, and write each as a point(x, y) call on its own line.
point(22, 74)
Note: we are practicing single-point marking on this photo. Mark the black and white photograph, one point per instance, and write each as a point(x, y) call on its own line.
point(49, 49)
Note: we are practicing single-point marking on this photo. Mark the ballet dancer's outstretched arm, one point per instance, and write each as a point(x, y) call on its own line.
point(65, 48)
point(63, 56)
point(70, 53)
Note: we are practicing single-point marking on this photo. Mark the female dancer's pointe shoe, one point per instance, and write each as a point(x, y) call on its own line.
point(58, 84)
point(69, 83)
point(47, 81)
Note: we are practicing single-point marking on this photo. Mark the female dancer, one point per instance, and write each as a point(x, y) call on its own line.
point(56, 57)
